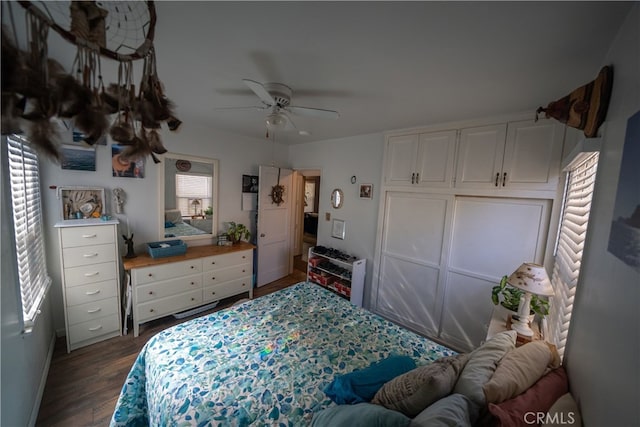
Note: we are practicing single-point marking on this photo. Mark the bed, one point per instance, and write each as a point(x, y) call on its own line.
point(263, 362)
point(174, 226)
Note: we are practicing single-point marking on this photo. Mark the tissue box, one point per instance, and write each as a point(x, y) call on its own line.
point(166, 248)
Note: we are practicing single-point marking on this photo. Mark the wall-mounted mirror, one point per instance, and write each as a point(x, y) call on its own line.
point(337, 198)
point(188, 197)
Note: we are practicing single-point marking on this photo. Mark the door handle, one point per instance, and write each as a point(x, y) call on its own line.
point(262, 234)
point(413, 178)
point(497, 178)
point(417, 177)
point(504, 179)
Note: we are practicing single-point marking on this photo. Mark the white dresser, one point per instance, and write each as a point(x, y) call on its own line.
point(164, 286)
point(90, 280)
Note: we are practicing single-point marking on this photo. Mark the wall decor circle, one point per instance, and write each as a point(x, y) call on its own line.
point(183, 165)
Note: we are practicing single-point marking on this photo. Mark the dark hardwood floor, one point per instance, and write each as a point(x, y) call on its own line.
point(83, 386)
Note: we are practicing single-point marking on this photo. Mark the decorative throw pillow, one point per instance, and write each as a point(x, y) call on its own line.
point(563, 412)
point(520, 410)
point(519, 370)
point(481, 365)
point(410, 393)
point(359, 415)
point(361, 385)
point(454, 410)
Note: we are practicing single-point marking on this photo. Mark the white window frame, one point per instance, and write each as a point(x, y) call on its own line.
point(24, 184)
point(184, 202)
point(574, 221)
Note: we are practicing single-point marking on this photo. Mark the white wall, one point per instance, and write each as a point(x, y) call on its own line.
point(237, 156)
point(339, 160)
point(603, 346)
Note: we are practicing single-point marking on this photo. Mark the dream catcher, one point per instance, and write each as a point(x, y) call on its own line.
point(36, 89)
point(277, 192)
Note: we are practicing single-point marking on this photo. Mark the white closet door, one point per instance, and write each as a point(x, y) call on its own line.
point(491, 238)
point(413, 241)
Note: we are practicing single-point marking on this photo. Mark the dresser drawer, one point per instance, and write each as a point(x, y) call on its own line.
point(224, 290)
point(91, 293)
point(166, 271)
point(93, 329)
point(225, 274)
point(87, 236)
point(167, 288)
point(93, 273)
point(227, 260)
point(85, 255)
point(169, 305)
point(92, 310)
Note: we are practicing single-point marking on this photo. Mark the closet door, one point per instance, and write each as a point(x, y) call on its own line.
point(411, 262)
point(491, 238)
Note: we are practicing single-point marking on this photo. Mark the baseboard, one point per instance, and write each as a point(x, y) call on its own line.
point(43, 382)
point(61, 332)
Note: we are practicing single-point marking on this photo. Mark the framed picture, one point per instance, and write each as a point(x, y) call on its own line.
point(77, 158)
point(125, 168)
point(249, 183)
point(366, 191)
point(81, 202)
point(337, 230)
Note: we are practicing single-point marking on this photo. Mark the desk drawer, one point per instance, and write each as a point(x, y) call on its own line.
point(169, 305)
point(87, 236)
point(91, 293)
point(85, 255)
point(167, 288)
point(166, 271)
point(93, 273)
point(92, 310)
point(227, 260)
point(93, 328)
point(224, 290)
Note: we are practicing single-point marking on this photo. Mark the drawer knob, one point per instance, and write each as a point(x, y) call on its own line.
point(243, 270)
point(213, 262)
point(150, 274)
point(193, 283)
point(213, 293)
point(243, 284)
point(193, 299)
point(150, 292)
point(213, 278)
point(151, 311)
point(243, 257)
point(97, 328)
point(192, 267)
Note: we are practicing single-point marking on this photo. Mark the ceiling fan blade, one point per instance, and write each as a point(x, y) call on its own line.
point(259, 90)
point(292, 126)
point(253, 107)
point(313, 112)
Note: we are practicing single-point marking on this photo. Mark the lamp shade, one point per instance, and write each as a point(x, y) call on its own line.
point(531, 278)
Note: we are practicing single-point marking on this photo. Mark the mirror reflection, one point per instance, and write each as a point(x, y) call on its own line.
point(337, 197)
point(189, 201)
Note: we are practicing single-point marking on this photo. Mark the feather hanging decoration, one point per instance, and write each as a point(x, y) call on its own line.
point(40, 135)
point(153, 137)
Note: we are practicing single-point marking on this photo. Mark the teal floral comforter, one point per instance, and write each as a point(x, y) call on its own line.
point(261, 363)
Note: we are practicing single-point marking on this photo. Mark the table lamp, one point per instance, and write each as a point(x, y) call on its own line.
point(532, 279)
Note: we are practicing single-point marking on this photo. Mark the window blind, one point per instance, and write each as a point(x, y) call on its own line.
point(27, 220)
point(190, 187)
point(569, 247)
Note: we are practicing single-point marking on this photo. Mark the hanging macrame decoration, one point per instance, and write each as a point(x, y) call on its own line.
point(586, 107)
point(277, 192)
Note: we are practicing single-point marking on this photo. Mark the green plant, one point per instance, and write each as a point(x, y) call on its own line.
point(236, 232)
point(209, 211)
point(509, 297)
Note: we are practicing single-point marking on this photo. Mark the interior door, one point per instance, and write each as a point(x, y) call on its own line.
point(274, 230)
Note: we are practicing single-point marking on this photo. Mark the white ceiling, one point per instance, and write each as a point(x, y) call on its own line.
point(382, 65)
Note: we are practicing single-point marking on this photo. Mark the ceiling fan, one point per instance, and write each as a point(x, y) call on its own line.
point(276, 97)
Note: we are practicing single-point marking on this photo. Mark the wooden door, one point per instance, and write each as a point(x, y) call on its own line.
point(274, 230)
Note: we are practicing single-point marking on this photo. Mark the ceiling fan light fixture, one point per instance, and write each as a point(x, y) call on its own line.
point(276, 120)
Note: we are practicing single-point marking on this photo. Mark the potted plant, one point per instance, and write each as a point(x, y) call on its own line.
point(237, 232)
point(209, 211)
point(509, 298)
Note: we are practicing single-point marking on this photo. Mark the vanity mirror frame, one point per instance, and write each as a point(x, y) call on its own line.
point(215, 164)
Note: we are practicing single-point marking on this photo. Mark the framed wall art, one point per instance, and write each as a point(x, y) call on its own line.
point(81, 202)
point(338, 229)
point(366, 191)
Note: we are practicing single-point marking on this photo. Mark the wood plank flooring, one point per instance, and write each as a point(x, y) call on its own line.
point(83, 386)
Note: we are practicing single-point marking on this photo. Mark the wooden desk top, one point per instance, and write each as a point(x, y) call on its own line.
point(145, 260)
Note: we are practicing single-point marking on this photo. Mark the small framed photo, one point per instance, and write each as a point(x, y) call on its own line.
point(366, 191)
point(249, 183)
point(81, 202)
point(337, 230)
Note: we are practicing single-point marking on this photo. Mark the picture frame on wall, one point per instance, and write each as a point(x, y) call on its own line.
point(78, 158)
point(366, 191)
point(338, 229)
point(81, 202)
point(249, 183)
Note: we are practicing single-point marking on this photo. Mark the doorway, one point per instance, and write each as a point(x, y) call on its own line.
point(307, 213)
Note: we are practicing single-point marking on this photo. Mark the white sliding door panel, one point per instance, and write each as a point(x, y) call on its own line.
point(491, 238)
point(413, 241)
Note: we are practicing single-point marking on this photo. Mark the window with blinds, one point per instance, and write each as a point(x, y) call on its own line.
point(193, 193)
point(27, 219)
point(570, 244)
